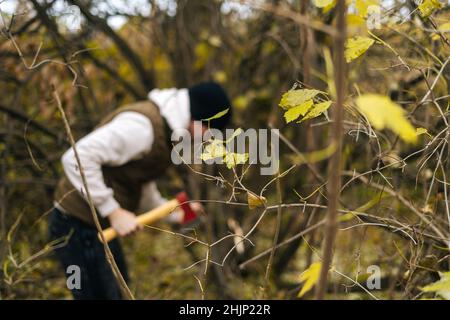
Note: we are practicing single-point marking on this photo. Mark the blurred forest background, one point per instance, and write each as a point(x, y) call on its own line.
point(393, 204)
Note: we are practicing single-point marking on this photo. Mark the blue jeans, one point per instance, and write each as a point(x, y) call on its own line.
point(84, 249)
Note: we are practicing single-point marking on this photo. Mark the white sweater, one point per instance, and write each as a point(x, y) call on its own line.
point(127, 137)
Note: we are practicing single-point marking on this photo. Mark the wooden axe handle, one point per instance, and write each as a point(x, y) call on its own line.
point(146, 218)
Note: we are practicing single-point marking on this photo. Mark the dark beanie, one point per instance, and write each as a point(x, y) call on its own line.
point(206, 100)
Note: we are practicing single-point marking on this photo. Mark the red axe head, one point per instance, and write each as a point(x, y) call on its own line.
point(189, 214)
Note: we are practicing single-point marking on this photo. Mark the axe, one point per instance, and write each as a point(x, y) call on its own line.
point(158, 214)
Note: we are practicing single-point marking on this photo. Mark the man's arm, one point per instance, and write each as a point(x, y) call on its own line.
point(125, 138)
point(150, 197)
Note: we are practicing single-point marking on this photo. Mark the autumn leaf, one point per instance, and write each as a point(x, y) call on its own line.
point(356, 46)
point(329, 68)
point(316, 110)
point(420, 131)
point(329, 7)
point(255, 201)
point(297, 111)
point(236, 132)
point(356, 24)
point(440, 287)
point(215, 149)
point(241, 102)
point(314, 156)
point(218, 115)
point(294, 98)
point(310, 277)
point(347, 217)
point(220, 76)
point(202, 54)
point(442, 28)
point(232, 159)
point(364, 208)
point(362, 6)
point(382, 113)
point(445, 27)
point(322, 3)
point(428, 7)
point(354, 20)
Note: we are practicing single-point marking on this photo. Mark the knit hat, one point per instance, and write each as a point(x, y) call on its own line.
point(206, 100)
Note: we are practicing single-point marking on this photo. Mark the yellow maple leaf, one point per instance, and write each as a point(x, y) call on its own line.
point(382, 113)
point(428, 7)
point(298, 111)
point(296, 97)
point(310, 276)
point(316, 110)
point(356, 46)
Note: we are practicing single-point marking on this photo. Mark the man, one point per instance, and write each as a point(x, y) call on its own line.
point(120, 159)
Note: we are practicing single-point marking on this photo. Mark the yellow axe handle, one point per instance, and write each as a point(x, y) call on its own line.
point(146, 218)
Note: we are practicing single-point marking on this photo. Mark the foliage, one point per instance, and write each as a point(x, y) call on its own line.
point(383, 113)
point(300, 102)
point(356, 46)
point(440, 287)
point(310, 277)
point(428, 7)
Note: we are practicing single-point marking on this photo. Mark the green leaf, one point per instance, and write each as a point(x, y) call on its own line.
point(428, 7)
point(356, 46)
point(382, 113)
point(317, 110)
point(217, 115)
point(297, 111)
point(294, 98)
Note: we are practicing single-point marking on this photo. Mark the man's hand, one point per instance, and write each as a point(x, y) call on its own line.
point(197, 207)
point(124, 222)
point(178, 215)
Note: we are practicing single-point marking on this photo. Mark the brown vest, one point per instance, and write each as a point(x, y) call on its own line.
point(125, 180)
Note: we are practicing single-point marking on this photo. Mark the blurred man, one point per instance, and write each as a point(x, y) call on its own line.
point(128, 150)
